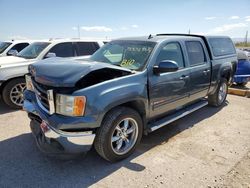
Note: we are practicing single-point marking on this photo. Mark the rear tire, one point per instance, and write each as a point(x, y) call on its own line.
point(219, 97)
point(13, 93)
point(119, 134)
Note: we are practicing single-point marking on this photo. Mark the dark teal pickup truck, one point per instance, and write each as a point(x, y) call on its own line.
point(129, 87)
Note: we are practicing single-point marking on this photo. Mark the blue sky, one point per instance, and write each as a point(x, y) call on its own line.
point(43, 19)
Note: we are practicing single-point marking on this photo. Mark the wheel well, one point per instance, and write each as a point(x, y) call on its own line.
point(6, 82)
point(137, 105)
point(226, 75)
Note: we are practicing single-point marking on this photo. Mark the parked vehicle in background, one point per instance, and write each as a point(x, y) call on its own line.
point(248, 53)
point(246, 50)
point(128, 87)
point(9, 48)
point(13, 69)
point(242, 75)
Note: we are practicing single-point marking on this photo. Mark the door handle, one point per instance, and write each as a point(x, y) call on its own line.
point(183, 77)
point(206, 71)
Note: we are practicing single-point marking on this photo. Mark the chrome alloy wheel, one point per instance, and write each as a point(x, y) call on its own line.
point(16, 94)
point(222, 92)
point(124, 136)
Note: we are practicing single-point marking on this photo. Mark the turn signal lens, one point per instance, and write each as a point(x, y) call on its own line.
point(70, 105)
point(79, 106)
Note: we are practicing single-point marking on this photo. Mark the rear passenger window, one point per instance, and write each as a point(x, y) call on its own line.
point(63, 49)
point(196, 55)
point(86, 48)
point(221, 46)
point(20, 46)
point(173, 52)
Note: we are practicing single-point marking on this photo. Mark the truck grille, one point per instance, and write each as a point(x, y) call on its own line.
point(41, 94)
point(44, 95)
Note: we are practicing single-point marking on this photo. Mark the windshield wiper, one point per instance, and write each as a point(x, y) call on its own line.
point(119, 65)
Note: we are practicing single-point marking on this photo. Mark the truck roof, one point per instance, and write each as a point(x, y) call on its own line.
point(217, 46)
point(163, 37)
point(58, 40)
point(19, 41)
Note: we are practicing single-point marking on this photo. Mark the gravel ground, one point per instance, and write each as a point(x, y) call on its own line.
point(210, 147)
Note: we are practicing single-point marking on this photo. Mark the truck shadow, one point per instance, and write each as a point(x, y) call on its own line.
point(4, 109)
point(240, 87)
point(22, 164)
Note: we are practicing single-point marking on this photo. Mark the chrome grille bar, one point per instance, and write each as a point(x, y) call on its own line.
point(50, 95)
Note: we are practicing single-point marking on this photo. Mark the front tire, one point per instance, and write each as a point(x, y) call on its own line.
point(219, 97)
point(13, 93)
point(119, 134)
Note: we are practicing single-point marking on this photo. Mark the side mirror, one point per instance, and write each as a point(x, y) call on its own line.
point(12, 52)
point(50, 54)
point(166, 66)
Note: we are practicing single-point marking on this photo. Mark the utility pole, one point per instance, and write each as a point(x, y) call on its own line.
point(189, 31)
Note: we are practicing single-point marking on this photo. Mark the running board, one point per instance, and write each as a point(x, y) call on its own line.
point(179, 114)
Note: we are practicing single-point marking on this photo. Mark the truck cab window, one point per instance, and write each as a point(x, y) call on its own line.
point(63, 49)
point(173, 52)
point(221, 46)
point(19, 47)
point(196, 55)
point(86, 48)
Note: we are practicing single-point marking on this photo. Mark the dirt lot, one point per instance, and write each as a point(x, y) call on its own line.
point(208, 148)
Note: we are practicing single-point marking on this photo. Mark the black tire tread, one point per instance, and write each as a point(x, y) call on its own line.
point(213, 99)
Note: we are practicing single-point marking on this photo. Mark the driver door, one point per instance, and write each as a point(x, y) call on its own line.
point(169, 91)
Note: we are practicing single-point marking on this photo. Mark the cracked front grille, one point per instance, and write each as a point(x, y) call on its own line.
point(41, 94)
point(46, 94)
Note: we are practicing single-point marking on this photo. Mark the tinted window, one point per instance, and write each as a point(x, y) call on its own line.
point(86, 48)
point(221, 46)
point(4, 46)
point(20, 46)
point(63, 49)
point(173, 52)
point(195, 52)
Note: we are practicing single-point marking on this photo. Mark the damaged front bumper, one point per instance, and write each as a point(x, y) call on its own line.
point(54, 141)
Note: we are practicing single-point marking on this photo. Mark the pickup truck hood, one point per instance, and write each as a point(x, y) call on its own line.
point(11, 60)
point(59, 72)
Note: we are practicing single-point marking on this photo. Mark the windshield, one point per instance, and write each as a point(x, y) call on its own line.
point(128, 54)
point(4, 46)
point(33, 50)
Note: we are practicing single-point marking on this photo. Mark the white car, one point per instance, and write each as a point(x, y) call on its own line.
point(13, 68)
point(9, 48)
point(247, 53)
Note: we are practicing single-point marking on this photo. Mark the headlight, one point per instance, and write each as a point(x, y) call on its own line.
point(29, 84)
point(70, 105)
